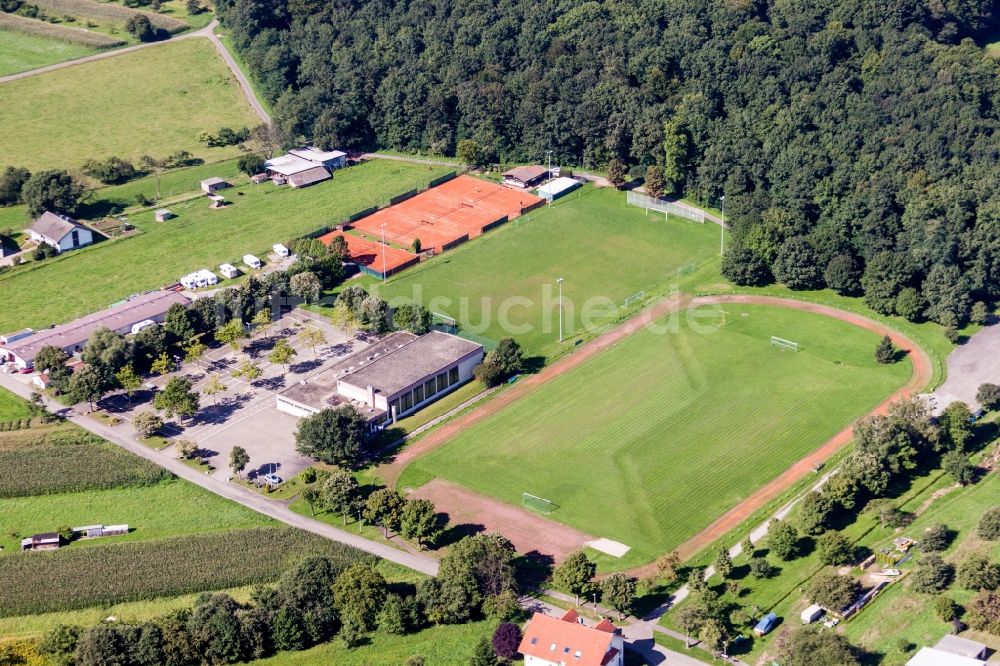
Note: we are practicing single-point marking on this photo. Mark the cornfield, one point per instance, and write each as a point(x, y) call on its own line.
point(108, 12)
point(131, 571)
point(70, 461)
point(60, 32)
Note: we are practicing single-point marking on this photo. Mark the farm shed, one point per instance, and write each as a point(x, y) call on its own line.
point(259, 178)
point(45, 541)
point(163, 215)
point(309, 177)
point(20, 348)
point(331, 159)
point(60, 232)
point(213, 185)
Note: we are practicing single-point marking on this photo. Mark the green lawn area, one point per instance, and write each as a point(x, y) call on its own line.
point(603, 249)
point(11, 406)
point(154, 101)
point(198, 237)
point(166, 509)
point(445, 645)
point(707, 417)
point(20, 51)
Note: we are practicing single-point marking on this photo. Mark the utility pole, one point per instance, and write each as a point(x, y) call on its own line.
point(722, 227)
point(560, 281)
point(383, 252)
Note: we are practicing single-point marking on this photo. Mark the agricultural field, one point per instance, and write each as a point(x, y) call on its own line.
point(21, 51)
point(108, 13)
point(197, 238)
point(155, 568)
point(711, 414)
point(64, 458)
point(137, 103)
point(603, 249)
point(444, 645)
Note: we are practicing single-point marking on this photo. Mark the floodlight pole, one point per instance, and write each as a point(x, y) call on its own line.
point(383, 252)
point(560, 281)
point(722, 227)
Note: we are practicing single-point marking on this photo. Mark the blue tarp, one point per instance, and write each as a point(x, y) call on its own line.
point(766, 624)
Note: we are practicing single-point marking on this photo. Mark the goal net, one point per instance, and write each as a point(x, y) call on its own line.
point(634, 299)
point(783, 344)
point(539, 504)
point(443, 323)
point(686, 269)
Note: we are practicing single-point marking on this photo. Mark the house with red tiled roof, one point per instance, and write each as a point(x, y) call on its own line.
point(566, 641)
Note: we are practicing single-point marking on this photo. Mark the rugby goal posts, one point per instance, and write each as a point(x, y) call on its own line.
point(539, 504)
point(783, 344)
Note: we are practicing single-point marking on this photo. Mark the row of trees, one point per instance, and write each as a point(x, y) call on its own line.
point(576, 576)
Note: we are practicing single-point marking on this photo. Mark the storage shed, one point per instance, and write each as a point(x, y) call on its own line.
point(213, 185)
point(163, 215)
point(811, 614)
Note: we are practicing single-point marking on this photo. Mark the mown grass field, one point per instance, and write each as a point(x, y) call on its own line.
point(20, 51)
point(167, 509)
point(198, 237)
point(445, 645)
point(651, 440)
point(154, 101)
point(604, 250)
point(112, 573)
point(11, 406)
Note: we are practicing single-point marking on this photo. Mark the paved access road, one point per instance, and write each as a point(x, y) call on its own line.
point(279, 511)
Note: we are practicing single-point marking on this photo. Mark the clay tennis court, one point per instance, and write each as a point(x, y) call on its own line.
point(374, 256)
point(446, 215)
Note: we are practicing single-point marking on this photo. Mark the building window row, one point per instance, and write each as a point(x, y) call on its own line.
point(424, 391)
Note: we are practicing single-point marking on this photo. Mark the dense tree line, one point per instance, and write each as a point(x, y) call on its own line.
point(854, 141)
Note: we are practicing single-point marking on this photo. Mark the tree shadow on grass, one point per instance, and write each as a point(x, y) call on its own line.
point(532, 569)
point(456, 532)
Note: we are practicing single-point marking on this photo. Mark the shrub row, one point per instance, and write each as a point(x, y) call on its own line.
point(131, 571)
point(16, 424)
point(109, 12)
point(72, 462)
point(63, 33)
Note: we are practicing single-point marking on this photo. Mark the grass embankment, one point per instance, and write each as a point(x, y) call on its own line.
point(712, 414)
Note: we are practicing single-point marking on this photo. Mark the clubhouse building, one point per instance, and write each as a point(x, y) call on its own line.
point(388, 380)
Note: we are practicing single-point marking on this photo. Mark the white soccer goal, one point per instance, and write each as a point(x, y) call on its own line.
point(784, 344)
point(637, 297)
point(666, 207)
point(537, 503)
point(686, 269)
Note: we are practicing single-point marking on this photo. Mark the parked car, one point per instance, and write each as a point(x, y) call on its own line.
point(272, 479)
point(890, 572)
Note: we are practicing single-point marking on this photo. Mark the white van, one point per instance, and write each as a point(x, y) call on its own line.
point(251, 261)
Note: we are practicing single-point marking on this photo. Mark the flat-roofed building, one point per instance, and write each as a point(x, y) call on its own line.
point(21, 348)
point(390, 379)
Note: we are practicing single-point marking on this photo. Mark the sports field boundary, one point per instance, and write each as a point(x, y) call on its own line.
point(921, 375)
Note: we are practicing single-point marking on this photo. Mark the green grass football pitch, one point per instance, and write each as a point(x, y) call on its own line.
point(155, 101)
point(651, 440)
point(83, 281)
point(504, 283)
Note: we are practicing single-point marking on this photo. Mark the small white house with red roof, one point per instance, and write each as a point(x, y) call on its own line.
point(565, 641)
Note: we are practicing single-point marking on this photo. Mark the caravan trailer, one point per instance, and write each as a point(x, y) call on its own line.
point(251, 261)
point(229, 271)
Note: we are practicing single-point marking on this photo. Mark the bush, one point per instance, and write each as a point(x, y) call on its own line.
point(935, 538)
point(833, 591)
point(112, 171)
point(932, 575)
point(984, 612)
point(989, 524)
point(761, 568)
point(946, 609)
point(140, 27)
point(250, 164)
point(988, 396)
point(977, 573)
point(834, 548)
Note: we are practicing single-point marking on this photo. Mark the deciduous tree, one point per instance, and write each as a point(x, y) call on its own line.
point(336, 436)
point(238, 460)
point(575, 574)
point(618, 591)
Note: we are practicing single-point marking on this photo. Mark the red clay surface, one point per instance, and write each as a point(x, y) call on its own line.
point(527, 530)
point(377, 257)
point(451, 212)
point(536, 539)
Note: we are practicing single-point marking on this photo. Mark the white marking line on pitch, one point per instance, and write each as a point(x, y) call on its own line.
point(608, 547)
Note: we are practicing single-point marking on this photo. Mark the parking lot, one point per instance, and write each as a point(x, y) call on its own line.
point(244, 414)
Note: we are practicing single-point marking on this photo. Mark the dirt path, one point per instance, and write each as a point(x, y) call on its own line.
point(922, 374)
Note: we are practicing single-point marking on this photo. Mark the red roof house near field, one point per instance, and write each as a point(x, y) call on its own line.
point(551, 641)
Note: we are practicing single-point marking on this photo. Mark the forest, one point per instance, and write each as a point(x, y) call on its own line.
point(855, 141)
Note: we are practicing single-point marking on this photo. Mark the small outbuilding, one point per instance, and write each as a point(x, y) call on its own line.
point(213, 185)
point(961, 646)
point(229, 271)
point(558, 187)
point(45, 541)
point(163, 214)
point(259, 178)
point(811, 614)
point(928, 656)
point(524, 177)
point(251, 261)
